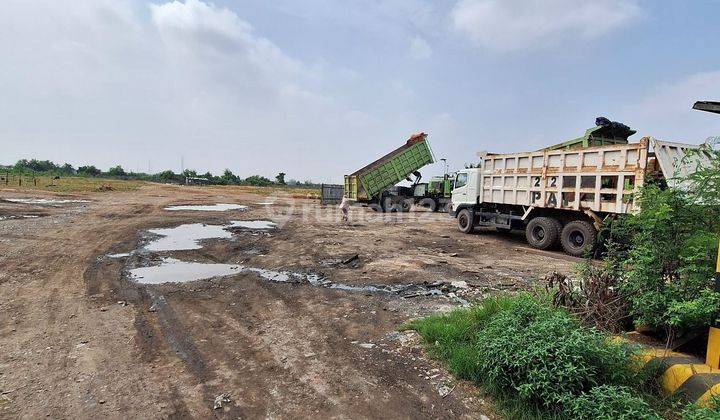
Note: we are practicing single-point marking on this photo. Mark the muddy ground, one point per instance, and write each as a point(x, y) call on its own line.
point(80, 339)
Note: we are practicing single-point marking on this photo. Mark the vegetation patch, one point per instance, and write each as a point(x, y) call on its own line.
point(540, 361)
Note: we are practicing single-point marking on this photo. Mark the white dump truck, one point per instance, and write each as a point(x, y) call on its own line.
point(560, 195)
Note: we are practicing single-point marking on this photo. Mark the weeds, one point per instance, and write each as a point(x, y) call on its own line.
point(537, 359)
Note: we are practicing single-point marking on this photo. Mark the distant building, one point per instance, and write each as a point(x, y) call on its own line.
point(194, 180)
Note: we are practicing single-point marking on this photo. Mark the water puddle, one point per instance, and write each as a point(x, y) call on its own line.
point(44, 201)
point(171, 270)
point(186, 237)
point(189, 236)
point(254, 224)
point(18, 217)
point(118, 256)
point(209, 207)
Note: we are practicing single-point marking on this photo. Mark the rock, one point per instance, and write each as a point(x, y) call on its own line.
point(460, 284)
point(220, 400)
point(367, 345)
point(445, 390)
point(103, 309)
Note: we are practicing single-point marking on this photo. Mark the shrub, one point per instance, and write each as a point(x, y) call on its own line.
point(452, 336)
point(671, 261)
point(609, 402)
point(544, 356)
point(536, 358)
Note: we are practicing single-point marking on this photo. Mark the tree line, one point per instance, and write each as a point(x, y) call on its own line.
point(49, 168)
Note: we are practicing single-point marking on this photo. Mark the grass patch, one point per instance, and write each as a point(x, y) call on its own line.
point(71, 184)
point(293, 192)
point(538, 361)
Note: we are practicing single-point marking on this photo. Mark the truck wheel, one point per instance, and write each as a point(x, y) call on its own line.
point(578, 238)
point(542, 232)
point(428, 204)
point(389, 205)
point(465, 221)
point(405, 205)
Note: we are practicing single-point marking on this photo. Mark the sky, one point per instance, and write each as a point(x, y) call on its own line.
point(320, 88)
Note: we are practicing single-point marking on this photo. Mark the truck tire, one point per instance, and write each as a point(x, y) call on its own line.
point(542, 232)
point(465, 221)
point(578, 238)
point(428, 204)
point(406, 205)
point(389, 205)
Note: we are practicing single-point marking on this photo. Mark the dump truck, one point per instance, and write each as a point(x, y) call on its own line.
point(560, 195)
point(604, 133)
point(375, 183)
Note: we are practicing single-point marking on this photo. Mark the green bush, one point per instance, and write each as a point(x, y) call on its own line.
point(670, 260)
point(452, 336)
point(544, 356)
point(536, 358)
point(609, 402)
point(695, 412)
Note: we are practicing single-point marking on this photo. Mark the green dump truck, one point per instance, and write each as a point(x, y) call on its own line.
point(375, 183)
point(605, 133)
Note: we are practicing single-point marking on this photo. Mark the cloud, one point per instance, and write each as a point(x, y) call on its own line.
point(508, 25)
point(420, 49)
point(666, 113)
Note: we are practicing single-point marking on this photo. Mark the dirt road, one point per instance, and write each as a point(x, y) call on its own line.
point(79, 338)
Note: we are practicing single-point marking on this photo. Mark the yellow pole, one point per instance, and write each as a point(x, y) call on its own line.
point(713, 348)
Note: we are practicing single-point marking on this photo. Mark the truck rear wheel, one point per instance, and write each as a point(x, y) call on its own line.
point(428, 204)
point(578, 238)
point(465, 221)
point(542, 232)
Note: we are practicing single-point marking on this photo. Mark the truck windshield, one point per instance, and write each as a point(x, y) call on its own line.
point(461, 180)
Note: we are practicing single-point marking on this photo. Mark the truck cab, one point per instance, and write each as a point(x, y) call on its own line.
point(465, 189)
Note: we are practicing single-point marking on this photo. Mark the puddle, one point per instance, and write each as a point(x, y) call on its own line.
point(189, 236)
point(121, 255)
point(171, 270)
point(209, 207)
point(44, 201)
point(186, 237)
point(254, 224)
point(18, 217)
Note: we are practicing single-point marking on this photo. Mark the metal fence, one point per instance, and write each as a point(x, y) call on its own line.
point(10, 179)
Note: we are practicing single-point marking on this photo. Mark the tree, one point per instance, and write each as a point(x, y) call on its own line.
point(189, 173)
point(229, 177)
point(258, 181)
point(116, 171)
point(166, 175)
point(89, 170)
point(67, 169)
point(280, 178)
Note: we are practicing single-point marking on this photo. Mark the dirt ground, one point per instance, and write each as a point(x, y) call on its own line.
point(80, 339)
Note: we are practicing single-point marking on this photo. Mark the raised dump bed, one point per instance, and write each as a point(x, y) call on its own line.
point(370, 182)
